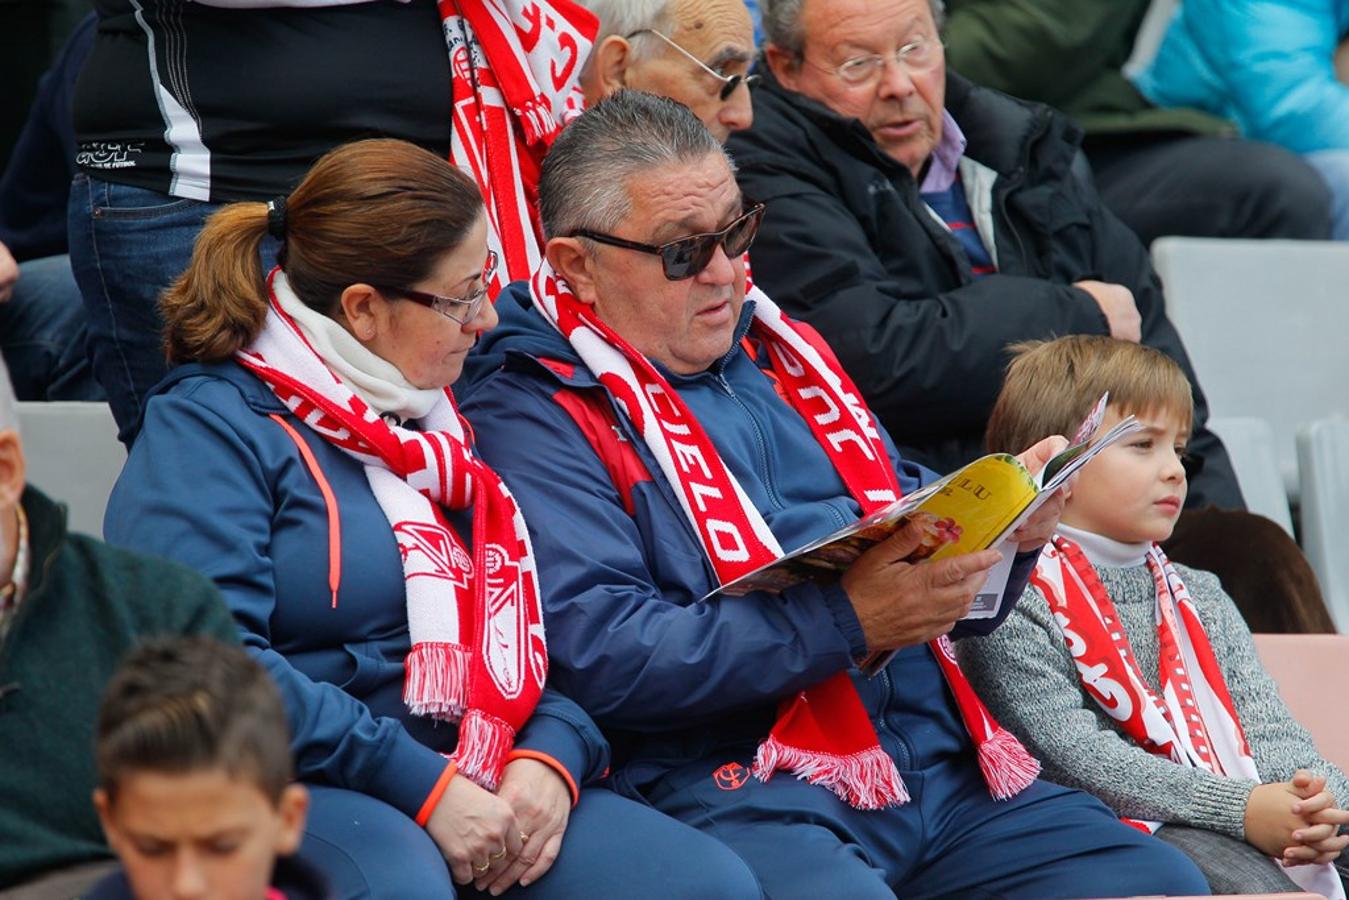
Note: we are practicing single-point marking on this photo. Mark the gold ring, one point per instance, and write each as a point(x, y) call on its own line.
point(524, 837)
point(495, 856)
point(478, 870)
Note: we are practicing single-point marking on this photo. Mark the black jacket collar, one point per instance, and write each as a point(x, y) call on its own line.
point(1001, 132)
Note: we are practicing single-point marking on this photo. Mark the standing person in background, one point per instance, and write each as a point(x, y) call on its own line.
point(1177, 170)
point(377, 568)
point(42, 319)
point(1275, 67)
point(184, 106)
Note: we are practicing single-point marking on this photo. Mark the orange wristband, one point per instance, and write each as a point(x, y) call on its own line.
point(552, 764)
point(428, 807)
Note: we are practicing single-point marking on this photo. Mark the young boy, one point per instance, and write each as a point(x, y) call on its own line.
point(1135, 679)
point(194, 767)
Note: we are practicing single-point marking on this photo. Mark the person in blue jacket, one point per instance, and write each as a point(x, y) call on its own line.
point(1275, 67)
point(275, 459)
point(638, 334)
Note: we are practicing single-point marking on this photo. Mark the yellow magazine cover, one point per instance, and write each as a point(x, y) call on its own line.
point(973, 507)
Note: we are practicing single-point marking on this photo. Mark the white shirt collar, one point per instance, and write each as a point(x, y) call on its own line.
point(1104, 551)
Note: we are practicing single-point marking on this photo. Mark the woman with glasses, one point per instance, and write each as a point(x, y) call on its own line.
point(307, 454)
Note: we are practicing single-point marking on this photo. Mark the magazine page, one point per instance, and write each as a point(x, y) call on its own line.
point(962, 512)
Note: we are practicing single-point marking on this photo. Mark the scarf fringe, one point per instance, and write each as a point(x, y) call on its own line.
point(536, 119)
point(865, 780)
point(1007, 766)
point(435, 680)
point(484, 743)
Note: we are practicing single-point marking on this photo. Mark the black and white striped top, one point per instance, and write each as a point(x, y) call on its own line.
point(213, 103)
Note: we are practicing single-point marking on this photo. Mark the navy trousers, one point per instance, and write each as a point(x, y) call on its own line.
point(613, 848)
point(951, 840)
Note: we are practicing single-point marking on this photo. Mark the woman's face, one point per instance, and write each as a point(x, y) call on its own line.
point(426, 346)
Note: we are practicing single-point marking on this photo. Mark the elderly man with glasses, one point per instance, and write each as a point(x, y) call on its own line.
point(695, 51)
point(666, 429)
point(923, 224)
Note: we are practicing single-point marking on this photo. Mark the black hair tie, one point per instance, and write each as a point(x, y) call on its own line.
point(276, 218)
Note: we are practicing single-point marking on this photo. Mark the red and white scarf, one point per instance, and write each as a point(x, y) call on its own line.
point(515, 68)
point(475, 622)
point(1194, 722)
point(823, 734)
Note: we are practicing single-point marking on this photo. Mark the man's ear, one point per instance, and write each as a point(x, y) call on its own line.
point(783, 64)
point(609, 64)
point(11, 469)
point(293, 809)
point(361, 307)
point(570, 260)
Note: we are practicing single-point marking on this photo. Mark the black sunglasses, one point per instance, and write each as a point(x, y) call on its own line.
point(687, 256)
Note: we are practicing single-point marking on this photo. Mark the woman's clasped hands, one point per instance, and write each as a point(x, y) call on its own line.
point(495, 841)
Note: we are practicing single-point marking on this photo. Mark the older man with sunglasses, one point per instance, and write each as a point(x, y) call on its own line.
point(695, 51)
point(666, 429)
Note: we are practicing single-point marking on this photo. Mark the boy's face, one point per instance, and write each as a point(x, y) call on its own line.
point(1132, 492)
point(202, 834)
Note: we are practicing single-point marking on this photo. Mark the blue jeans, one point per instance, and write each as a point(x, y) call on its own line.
point(127, 245)
point(1334, 168)
point(42, 334)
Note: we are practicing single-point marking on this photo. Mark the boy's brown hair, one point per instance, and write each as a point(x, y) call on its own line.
point(190, 704)
point(1051, 386)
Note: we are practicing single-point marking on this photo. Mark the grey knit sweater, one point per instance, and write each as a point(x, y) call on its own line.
point(1024, 673)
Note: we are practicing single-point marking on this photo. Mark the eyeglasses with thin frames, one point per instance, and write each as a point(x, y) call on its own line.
point(459, 309)
point(728, 82)
point(917, 55)
point(685, 257)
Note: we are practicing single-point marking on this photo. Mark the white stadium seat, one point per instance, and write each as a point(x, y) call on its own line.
point(72, 455)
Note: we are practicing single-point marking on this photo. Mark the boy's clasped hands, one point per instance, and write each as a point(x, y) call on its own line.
point(1296, 822)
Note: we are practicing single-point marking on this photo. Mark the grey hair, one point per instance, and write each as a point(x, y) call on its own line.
point(782, 22)
point(584, 182)
point(9, 404)
point(623, 17)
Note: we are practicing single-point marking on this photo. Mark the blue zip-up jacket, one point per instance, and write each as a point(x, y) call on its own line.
point(217, 484)
point(1268, 65)
point(670, 678)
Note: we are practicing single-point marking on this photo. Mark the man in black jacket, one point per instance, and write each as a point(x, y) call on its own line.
point(922, 224)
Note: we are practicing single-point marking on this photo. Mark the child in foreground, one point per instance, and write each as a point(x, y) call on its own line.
point(1135, 679)
point(194, 767)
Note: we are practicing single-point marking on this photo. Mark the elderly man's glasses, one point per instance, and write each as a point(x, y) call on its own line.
point(918, 55)
point(687, 256)
point(728, 82)
point(460, 309)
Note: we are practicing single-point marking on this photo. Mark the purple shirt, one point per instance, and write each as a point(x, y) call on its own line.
point(941, 169)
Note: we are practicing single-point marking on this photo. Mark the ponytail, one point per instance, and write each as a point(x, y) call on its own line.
point(219, 303)
point(377, 211)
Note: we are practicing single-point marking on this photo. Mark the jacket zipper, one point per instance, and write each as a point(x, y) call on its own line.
point(760, 442)
point(904, 752)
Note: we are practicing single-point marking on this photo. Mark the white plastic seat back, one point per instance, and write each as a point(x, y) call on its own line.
point(1263, 322)
point(1323, 457)
point(1250, 444)
point(72, 454)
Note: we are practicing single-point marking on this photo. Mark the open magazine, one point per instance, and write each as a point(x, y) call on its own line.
point(973, 508)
